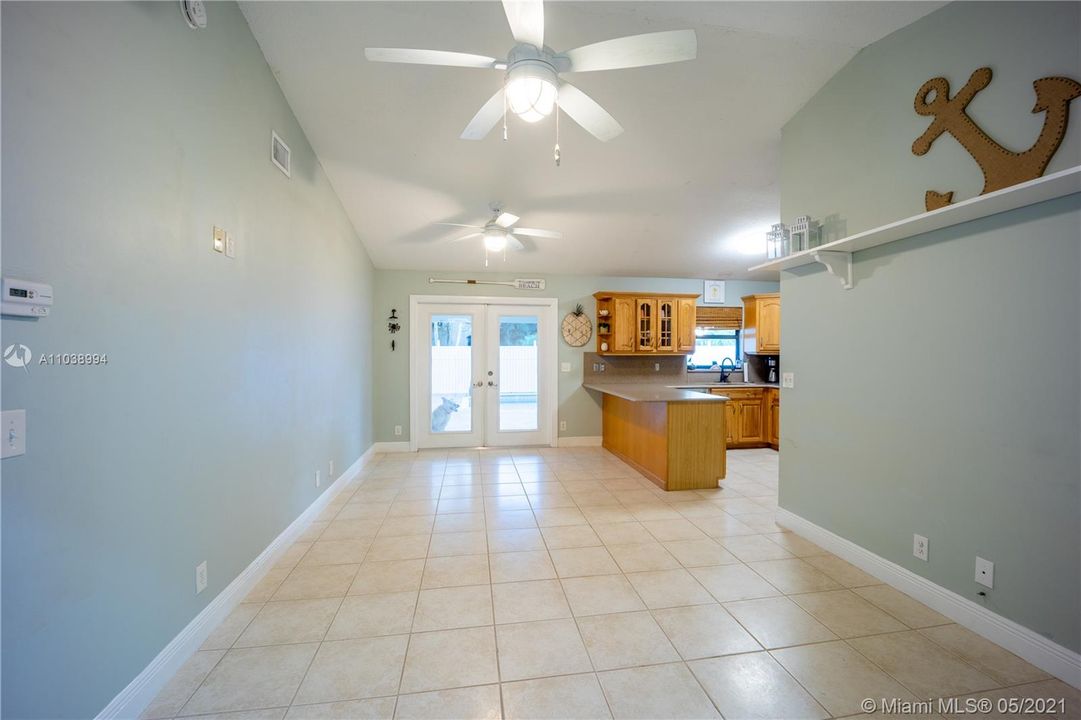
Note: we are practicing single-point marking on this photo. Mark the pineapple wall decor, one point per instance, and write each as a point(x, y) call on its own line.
point(1001, 167)
point(577, 329)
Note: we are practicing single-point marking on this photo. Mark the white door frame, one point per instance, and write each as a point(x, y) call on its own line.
point(547, 362)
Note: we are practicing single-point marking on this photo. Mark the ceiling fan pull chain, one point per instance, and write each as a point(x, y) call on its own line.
point(557, 154)
point(504, 122)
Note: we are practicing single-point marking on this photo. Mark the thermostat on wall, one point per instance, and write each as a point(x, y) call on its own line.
point(25, 298)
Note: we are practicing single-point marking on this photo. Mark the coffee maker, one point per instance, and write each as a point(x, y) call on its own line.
point(771, 369)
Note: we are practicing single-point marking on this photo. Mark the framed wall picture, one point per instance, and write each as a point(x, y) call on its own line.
point(713, 292)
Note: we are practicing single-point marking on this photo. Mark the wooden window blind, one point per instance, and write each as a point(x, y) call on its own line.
point(729, 318)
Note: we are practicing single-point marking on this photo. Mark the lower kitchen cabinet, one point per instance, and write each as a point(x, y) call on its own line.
point(751, 416)
point(773, 416)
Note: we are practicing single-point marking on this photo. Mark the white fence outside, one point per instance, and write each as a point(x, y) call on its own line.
point(452, 374)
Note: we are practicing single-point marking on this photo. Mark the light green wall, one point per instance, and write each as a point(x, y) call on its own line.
point(847, 154)
point(126, 136)
point(576, 406)
point(940, 396)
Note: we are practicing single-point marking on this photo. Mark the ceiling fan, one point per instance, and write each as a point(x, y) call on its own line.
point(499, 233)
point(533, 86)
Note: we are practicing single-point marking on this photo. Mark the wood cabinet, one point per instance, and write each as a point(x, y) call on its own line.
point(751, 415)
point(773, 416)
point(647, 324)
point(686, 320)
point(633, 323)
point(762, 324)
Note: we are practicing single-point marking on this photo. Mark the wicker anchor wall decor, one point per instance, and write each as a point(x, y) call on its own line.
point(1001, 167)
point(577, 329)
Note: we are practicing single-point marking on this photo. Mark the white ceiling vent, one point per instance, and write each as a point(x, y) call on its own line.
point(279, 153)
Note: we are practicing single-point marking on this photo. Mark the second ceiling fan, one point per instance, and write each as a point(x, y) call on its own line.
point(533, 85)
point(500, 233)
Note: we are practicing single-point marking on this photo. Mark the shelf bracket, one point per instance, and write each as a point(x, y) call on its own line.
point(838, 264)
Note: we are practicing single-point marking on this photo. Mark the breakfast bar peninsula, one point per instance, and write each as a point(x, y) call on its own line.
point(674, 437)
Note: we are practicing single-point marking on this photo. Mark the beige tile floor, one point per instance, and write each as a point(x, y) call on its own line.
point(558, 583)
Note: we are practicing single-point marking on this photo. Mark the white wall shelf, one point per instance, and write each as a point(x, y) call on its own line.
point(836, 256)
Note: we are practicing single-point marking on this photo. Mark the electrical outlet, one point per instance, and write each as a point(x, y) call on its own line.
point(602, 367)
point(562, 425)
point(200, 577)
point(318, 479)
point(985, 572)
point(788, 380)
point(330, 475)
point(397, 429)
point(919, 547)
point(230, 246)
point(656, 367)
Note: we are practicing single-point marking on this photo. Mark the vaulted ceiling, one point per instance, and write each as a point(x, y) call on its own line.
point(686, 191)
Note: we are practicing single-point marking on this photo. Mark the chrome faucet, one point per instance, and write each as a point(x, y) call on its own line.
point(726, 372)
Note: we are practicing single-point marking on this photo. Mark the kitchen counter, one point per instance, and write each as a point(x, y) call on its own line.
point(712, 385)
point(647, 392)
point(673, 436)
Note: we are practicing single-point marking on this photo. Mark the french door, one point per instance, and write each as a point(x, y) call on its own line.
point(482, 374)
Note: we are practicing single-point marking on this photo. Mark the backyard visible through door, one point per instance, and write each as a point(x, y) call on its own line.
point(482, 372)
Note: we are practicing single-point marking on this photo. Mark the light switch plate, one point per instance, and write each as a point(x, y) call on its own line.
point(564, 367)
point(230, 246)
point(14, 433)
point(788, 380)
point(219, 240)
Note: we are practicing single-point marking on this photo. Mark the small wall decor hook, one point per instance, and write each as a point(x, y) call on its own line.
point(393, 326)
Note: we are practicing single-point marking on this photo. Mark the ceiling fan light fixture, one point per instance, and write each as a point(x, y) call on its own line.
point(531, 90)
point(495, 240)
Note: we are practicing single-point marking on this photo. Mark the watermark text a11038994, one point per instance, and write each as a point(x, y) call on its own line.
point(20, 356)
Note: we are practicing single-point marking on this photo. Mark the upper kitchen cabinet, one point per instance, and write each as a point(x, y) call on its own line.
point(634, 323)
point(762, 324)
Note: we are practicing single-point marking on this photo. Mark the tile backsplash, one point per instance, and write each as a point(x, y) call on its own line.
point(666, 369)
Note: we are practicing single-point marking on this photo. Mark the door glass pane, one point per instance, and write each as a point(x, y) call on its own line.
point(452, 373)
point(518, 372)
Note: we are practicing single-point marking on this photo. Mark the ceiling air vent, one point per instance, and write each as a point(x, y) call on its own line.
point(279, 153)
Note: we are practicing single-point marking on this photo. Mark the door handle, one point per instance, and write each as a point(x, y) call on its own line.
point(479, 383)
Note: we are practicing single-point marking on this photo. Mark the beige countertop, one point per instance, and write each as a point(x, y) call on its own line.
point(649, 392)
point(727, 385)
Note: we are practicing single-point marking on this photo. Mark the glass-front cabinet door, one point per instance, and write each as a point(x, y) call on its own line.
point(666, 325)
point(647, 324)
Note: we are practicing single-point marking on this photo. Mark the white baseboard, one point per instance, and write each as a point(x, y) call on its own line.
point(580, 441)
point(391, 447)
point(1045, 654)
point(133, 699)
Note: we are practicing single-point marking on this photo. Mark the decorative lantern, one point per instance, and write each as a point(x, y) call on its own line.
point(777, 242)
point(804, 234)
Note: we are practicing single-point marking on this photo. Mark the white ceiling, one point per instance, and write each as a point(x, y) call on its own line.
point(678, 194)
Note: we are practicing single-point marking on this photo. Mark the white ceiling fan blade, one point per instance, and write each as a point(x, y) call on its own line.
point(533, 232)
point(526, 18)
point(467, 237)
point(428, 57)
point(474, 227)
point(514, 243)
point(506, 219)
point(485, 119)
point(656, 48)
point(585, 111)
